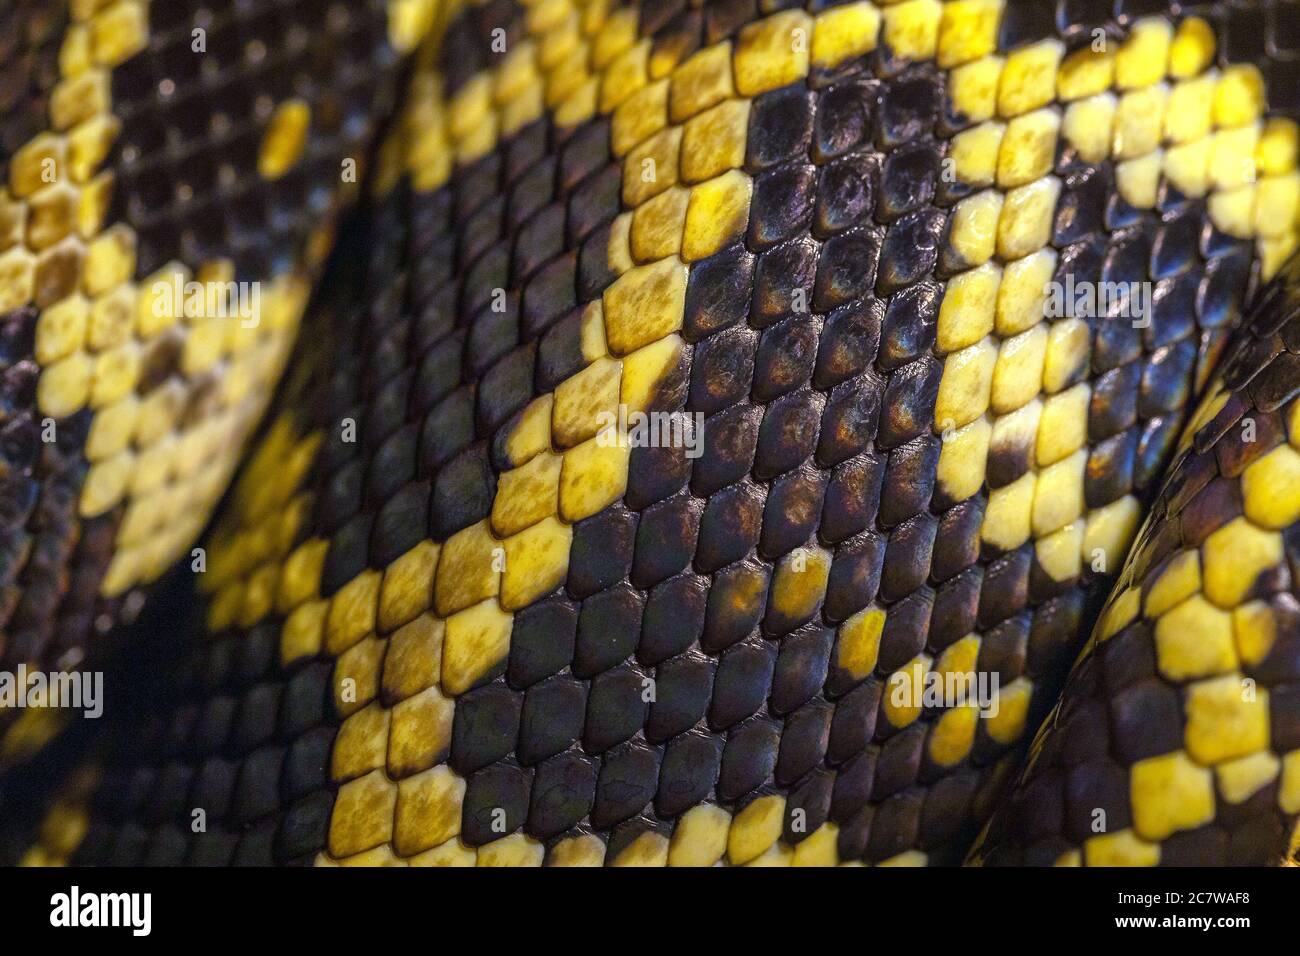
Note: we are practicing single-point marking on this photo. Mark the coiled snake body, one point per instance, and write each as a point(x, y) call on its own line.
point(977, 324)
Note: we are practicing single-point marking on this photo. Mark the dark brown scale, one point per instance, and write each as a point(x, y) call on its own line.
point(790, 513)
point(907, 408)
point(487, 724)
point(847, 267)
point(718, 294)
point(736, 604)
point(909, 480)
point(659, 472)
point(563, 793)
point(495, 796)
point(673, 618)
point(546, 635)
point(781, 205)
point(603, 551)
point(783, 281)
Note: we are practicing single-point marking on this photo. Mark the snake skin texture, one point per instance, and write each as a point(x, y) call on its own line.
point(145, 145)
point(1176, 738)
point(456, 611)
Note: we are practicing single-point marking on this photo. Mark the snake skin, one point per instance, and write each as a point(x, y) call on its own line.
point(448, 622)
point(142, 141)
point(1175, 738)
